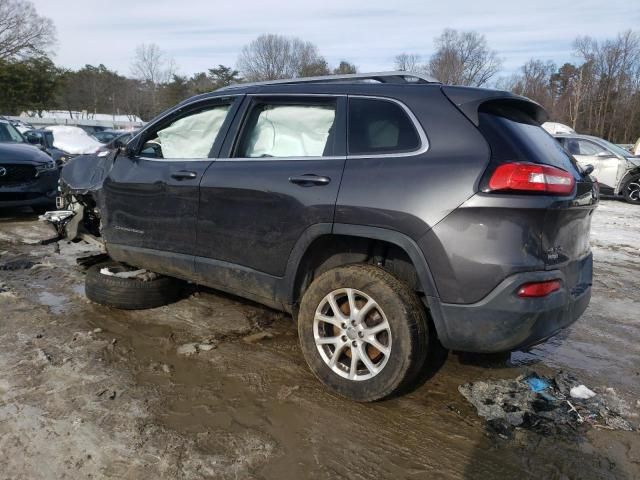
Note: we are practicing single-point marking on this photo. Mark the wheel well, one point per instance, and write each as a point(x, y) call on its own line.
point(628, 176)
point(330, 251)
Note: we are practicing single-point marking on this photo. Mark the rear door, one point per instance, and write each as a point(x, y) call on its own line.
point(276, 177)
point(151, 198)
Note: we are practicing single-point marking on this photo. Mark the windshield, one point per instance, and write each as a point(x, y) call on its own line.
point(8, 133)
point(616, 149)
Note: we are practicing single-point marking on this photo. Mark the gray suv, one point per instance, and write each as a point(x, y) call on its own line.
point(388, 213)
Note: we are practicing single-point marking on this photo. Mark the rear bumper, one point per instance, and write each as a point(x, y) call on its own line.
point(502, 321)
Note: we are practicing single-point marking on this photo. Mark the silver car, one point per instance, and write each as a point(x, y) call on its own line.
point(616, 169)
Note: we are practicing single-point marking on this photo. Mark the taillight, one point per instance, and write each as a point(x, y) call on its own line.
point(531, 177)
point(539, 289)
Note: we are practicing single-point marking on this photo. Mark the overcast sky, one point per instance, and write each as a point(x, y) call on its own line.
point(200, 34)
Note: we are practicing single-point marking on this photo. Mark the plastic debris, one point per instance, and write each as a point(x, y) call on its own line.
point(546, 405)
point(582, 392)
point(536, 383)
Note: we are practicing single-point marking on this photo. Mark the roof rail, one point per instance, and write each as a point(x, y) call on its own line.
point(381, 77)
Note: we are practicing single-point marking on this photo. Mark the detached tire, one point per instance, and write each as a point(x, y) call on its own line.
point(631, 190)
point(363, 332)
point(130, 293)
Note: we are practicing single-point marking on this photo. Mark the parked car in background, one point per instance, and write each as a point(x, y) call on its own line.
point(73, 140)
point(382, 210)
point(616, 169)
point(105, 136)
point(636, 148)
point(28, 175)
point(21, 126)
point(44, 138)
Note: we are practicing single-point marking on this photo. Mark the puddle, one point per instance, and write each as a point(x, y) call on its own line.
point(56, 303)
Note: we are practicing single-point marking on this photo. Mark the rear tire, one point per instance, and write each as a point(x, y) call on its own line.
point(393, 319)
point(631, 190)
point(130, 293)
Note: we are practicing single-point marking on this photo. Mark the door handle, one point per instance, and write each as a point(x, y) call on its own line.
point(183, 175)
point(309, 180)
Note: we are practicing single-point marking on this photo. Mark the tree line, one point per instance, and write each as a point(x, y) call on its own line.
point(599, 93)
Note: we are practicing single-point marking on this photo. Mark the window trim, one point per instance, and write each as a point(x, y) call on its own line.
point(424, 141)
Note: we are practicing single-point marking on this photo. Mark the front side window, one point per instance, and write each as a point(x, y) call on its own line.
point(288, 130)
point(590, 148)
point(380, 127)
point(189, 137)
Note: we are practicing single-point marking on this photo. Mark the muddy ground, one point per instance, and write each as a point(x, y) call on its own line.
point(92, 392)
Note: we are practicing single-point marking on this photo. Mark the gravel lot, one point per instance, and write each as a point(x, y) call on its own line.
point(215, 387)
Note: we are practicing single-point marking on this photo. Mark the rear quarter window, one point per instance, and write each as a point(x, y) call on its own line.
point(378, 126)
point(516, 137)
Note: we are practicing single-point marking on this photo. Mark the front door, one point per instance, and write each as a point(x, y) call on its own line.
point(151, 198)
point(605, 163)
point(280, 177)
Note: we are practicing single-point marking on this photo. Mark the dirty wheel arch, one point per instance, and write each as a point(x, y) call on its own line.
point(104, 287)
point(378, 316)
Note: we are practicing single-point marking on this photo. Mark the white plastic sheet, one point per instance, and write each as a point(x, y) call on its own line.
point(192, 136)
point(291, 131)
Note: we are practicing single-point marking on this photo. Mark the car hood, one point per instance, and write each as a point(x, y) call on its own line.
point(22, 153)
point(86, 173)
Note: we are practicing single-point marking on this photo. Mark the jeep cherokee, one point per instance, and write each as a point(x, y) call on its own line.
point(380, 210)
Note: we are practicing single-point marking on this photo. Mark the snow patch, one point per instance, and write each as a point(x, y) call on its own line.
point(73, 140)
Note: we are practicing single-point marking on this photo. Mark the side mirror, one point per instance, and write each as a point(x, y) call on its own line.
point(588, 169)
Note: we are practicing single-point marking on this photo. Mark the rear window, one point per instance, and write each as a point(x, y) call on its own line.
point(380, 127)
point(515, 137)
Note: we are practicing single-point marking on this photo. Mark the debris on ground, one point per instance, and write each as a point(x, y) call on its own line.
point(141, 274)
point(14, 265)
point(547, 405)
point(189, 349)
point(582, 392)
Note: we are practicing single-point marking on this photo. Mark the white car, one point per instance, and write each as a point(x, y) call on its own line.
point(617, 170)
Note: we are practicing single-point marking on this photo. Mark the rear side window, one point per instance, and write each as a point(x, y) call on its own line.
point(288, 130)
point(380, 127)
point(515, 137)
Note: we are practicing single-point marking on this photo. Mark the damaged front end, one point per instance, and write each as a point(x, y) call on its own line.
point(78, 214)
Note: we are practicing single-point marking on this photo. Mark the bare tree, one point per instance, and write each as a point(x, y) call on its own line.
point(153, 68)
point(271, 57)
point(152, 65)
point(23, 33)
point(408, 62)
point(463, 58)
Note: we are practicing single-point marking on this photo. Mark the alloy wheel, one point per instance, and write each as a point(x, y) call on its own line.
point(352, 334)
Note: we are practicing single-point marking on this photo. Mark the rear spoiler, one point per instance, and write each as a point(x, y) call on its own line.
point(468, 100)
